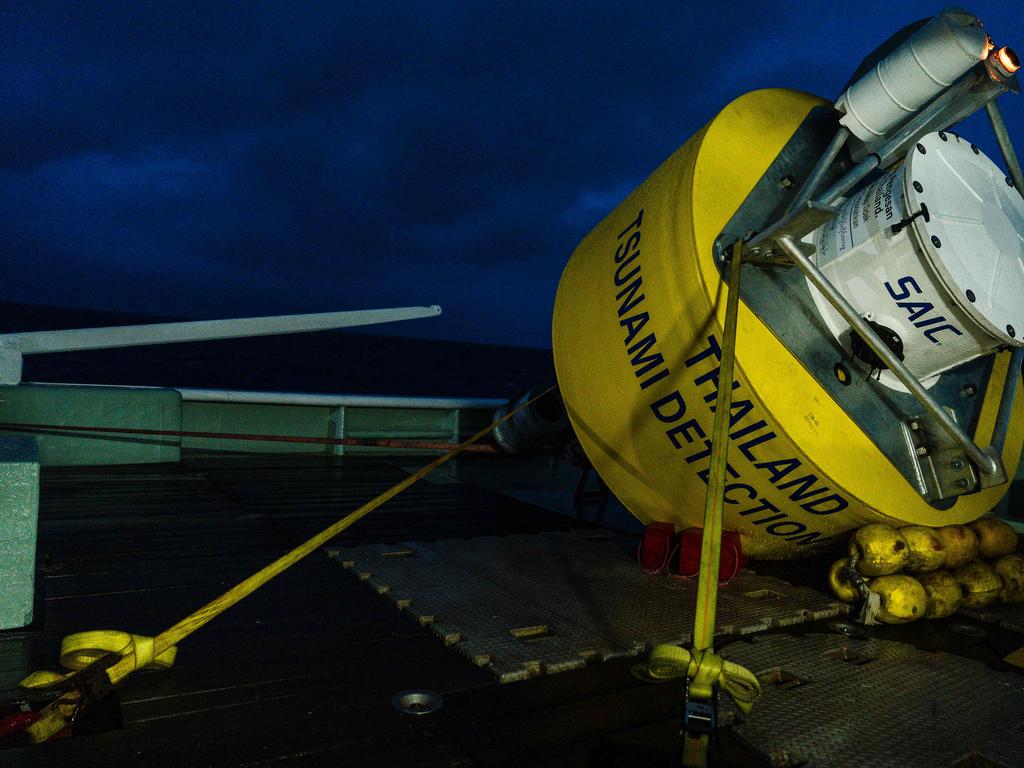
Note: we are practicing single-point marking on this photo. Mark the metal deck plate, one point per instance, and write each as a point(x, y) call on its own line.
point(835, 701)
point(1002, 615)
point(528, 605)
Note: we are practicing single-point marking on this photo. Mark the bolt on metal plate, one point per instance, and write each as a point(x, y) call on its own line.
point(968, 630)
point(943, 470)
point(417, 701)
point(848, 628)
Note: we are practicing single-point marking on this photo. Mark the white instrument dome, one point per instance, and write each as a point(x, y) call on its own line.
point(974, 233)
point(933, 253)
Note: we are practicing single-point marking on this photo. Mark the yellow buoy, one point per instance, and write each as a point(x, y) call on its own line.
point(636, 336)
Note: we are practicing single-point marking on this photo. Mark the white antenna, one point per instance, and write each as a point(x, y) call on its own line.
point(14, 345)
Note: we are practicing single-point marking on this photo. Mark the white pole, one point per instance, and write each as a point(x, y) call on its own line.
point(14, 345)
point(38, 342)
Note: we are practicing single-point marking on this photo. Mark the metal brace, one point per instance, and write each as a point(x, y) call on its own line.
point(762, 249)
point(944, 470)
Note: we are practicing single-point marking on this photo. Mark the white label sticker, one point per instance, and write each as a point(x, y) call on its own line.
point(874, 208)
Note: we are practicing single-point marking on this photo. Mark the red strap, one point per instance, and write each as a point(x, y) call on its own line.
point(19, 721)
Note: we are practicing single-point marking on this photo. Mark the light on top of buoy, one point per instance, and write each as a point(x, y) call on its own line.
point(1007, 59)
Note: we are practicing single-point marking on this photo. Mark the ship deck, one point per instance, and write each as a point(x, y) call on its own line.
point(304, 671)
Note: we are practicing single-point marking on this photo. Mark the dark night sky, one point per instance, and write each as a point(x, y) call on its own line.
point(212, 160)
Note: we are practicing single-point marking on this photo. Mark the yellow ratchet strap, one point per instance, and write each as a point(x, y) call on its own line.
point(81, 649)
point(701, 665)
point(670, 661)
point(138, 651)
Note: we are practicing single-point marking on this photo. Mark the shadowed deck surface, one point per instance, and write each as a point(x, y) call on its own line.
point(304, 670)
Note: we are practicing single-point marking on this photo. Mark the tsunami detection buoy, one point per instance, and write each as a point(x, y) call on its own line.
point(837, 421)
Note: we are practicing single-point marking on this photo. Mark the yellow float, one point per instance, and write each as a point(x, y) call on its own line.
point(637, 322)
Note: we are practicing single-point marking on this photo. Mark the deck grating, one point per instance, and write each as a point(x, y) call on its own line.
point(303, 670)
point(302, 673)
point(523, 606)
point(842, 702)
point(1009, 617)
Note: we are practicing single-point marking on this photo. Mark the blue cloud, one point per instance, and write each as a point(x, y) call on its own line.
point(266, 157)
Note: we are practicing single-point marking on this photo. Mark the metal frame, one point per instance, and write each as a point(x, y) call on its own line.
point(977, 88)
point(1002, 424)
point(782, 299)
point(984, 461)
point(995, 118)
point(821, 169)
